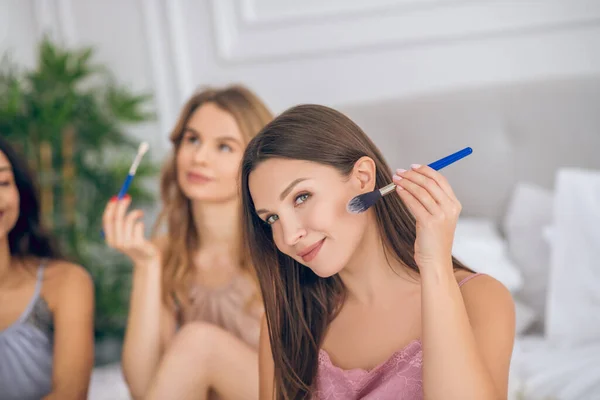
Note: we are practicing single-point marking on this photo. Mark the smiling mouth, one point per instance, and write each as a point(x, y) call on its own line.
point(311, 252)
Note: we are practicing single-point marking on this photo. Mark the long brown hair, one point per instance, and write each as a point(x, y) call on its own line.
point(181, 238)
point(299, 305)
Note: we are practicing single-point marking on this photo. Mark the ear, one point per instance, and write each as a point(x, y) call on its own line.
point(363, 174)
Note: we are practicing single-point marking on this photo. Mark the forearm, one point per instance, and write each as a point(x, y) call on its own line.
point(452, 366)
point(141, 349)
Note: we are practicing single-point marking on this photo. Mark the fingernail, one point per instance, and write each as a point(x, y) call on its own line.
point(113, 199)
point(400, 171)
point(396, 177)
point(415, 166)
point(127, 197)
point(399, 187)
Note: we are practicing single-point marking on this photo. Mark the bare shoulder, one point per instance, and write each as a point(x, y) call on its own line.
point(65, 279)
point(485, 297)
point(66, 273)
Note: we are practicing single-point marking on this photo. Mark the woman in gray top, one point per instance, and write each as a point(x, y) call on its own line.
point(46, 304)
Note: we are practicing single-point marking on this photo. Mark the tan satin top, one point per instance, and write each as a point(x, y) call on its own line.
point(229, 307)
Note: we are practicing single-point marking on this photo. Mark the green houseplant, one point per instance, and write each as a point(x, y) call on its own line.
point(69, 117)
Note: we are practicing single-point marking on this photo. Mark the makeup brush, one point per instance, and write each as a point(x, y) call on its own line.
point(142, 149)
point(144, 146)
point(363, 202)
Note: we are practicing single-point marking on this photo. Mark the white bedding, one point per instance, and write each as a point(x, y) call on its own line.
point(108, 384)
point(544, 371)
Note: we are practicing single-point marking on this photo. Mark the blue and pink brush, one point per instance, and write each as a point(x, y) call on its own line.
point(363, 202)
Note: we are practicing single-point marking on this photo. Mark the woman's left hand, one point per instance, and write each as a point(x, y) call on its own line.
point(429, 197)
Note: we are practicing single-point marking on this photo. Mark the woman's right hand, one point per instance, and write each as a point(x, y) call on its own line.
point(125, 232)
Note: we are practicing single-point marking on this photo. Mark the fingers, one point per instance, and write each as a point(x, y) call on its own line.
point(414, 205)
point(138, 234)
point(119, 219)
point(425, 186)
point(437, 177)
point(122, 230)
point(129, 233)
point(108, 221)
point(424, 189)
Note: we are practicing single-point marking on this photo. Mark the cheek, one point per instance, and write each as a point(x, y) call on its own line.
point(184, 161)
point(328, 217)
point(14, 200)
point(231, 166)
point(181, 161)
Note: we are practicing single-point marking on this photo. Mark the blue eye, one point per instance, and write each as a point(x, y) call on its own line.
point(271, 219)
point(225, 148)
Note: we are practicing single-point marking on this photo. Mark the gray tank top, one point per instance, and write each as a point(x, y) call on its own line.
point(26, 351)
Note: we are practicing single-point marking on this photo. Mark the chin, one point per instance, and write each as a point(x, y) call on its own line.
point(326, 270)
point(205, 195)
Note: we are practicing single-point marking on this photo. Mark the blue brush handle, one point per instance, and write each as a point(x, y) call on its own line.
point(122, 193)
point(444, 162)
point(125, 187)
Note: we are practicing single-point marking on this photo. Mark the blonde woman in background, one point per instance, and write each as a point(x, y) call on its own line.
point(194, 318)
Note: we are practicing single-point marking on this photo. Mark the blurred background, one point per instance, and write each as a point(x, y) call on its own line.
point(517, 81)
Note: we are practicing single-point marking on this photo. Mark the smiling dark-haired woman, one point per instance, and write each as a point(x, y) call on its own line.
point(46, 303)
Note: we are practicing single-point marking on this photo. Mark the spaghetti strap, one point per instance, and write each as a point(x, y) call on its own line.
point(468, 278)
point(36, 292)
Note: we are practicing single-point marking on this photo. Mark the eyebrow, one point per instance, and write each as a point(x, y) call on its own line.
point(5, 168)
point(285, 192)
point(223, 138)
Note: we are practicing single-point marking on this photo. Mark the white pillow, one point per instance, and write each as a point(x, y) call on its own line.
point(525, 316)
point(573, 308)
point(529, 212)
point(478, 244)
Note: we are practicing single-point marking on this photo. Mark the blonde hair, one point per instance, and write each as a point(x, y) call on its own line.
point(181, 240)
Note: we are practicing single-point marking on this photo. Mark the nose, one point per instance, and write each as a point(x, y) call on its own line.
point(293, 231)
point(201, 154)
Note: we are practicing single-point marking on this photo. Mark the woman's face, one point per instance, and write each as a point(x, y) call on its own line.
point(209, 156)
point(305, 204)
point(9, 198)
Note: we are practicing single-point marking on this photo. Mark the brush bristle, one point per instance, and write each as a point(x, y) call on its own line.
point(363, 202)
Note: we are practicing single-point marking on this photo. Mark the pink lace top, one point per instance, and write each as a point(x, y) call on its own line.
point(398, 378)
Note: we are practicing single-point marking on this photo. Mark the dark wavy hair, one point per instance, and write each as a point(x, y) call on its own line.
point(27, 238)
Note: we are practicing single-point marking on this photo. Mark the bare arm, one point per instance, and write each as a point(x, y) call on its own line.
point(467, 338)
point(266, 367)
point(73, 358)
point(150, 325)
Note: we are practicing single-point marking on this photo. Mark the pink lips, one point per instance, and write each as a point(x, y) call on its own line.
point(308, 254)
point(198, 178)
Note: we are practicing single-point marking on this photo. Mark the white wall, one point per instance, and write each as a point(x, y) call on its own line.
point(335, 52)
